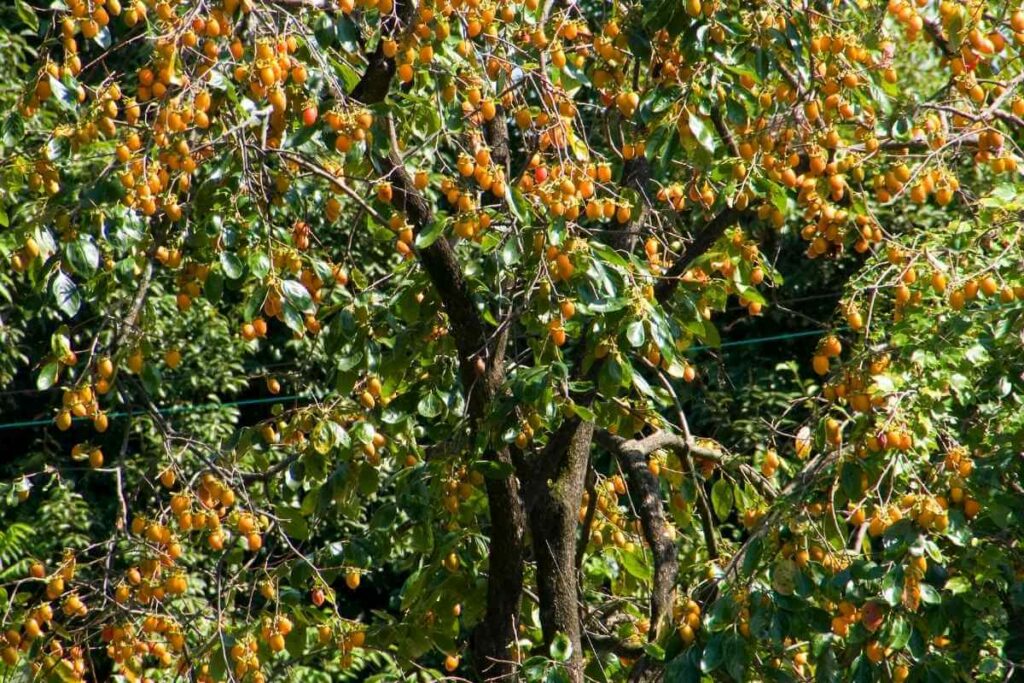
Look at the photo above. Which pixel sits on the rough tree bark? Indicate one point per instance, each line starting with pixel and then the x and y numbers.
pixel 482 370
pixel 553 502
pixel 555 488
pixel 645 492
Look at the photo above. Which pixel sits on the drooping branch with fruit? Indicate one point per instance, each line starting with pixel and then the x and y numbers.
pixel 374 331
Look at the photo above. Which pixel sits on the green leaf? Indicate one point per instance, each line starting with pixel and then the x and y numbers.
pixel 735 654
pixel 850 480
pixel 575 73
pixel 48 375
pixel 583 412
pixel 369 480
pixel 883 383
pixel 324 436
pixel 722 498
pixel 427 237
pixel 493 469
pixel 293 318
pixel 348 35
pixel 60 342
pixel 124 270
pixel 27 15
pixel 685 668
pixel 610 378
pixel 714 654
pixel 346 363
pixel 958 585
pixel 929 595
pixel 976 354
pixel 898 633
pixel 510 253
pixel 218 660
pixel 259 264
pixel 13 129
pixel 359 279
pixel 753 556
pixel 232 265
pixel 740 499
pixel 784 576
pixel 635 334
pixel 151 377
pixel 561 648
pixel 294 524
pixel 901 128
pixel 892 586
pixel 431 405
pixel 83 256
pixel 655 652
pixel 102 38
pixel 295 293
pixel 295 641
pixel 702 132
pixel 213 288
pixel 65 292
pixel 636 567
pixel 710 335
pixel 64 96
pixel 363 432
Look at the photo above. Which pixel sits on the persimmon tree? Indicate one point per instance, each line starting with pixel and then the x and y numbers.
pixel 473 245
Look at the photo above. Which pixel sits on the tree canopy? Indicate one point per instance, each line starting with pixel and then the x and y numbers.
pixel 391 340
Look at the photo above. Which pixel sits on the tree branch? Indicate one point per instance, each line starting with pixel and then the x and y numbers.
pixel 373 87
pixel 496 134
pixel 702 241
pixel 498 630
pixel 723 131
pixel 934 31
pixel 795 491
pixel 636 175
pixel 553 498
pixel 656 441
pixel 588 517
pixel 707 524
pixel 645 491
pixel 685 448
pixel 554 488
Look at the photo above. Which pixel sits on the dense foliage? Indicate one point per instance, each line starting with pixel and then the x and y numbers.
pixel 411 339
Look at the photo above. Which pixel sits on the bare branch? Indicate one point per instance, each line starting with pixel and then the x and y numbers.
pixel 686 449
pixel 934 31
pixel 794 491
pixel 702 241
pixel 588 517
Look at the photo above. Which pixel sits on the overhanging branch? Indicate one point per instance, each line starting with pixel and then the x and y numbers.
pixel 702 241
pixel 498 629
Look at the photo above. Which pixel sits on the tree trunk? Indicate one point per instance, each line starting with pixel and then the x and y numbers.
pixel 554 498
pixel 555 489
pixel 645 492
pixel 491 642
pixel 482 370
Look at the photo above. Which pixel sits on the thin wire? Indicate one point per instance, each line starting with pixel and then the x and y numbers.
pixel 188 409
pixel 761 340
pixel 169 410
pixel 794 300
pixel 259 370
